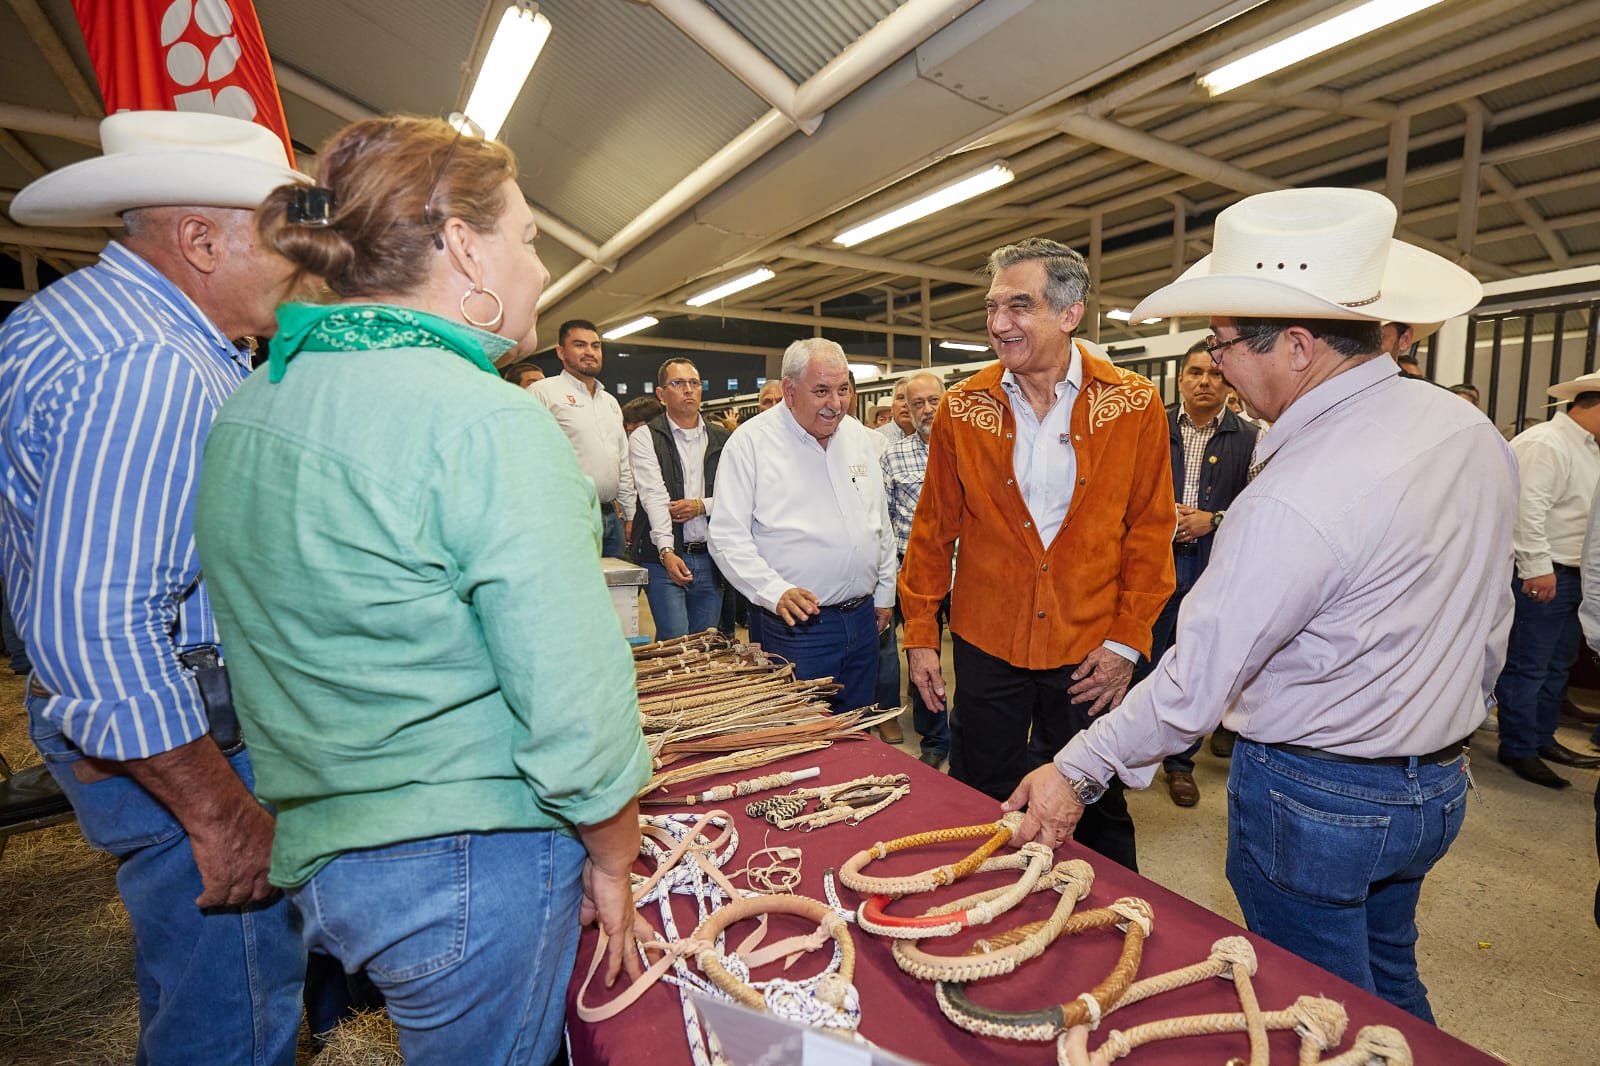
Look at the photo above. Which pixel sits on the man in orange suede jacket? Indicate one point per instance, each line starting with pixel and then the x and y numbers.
pixel 1053 467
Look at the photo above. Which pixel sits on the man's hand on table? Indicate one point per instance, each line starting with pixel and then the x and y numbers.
pixel 1053 807
pixel 1102 680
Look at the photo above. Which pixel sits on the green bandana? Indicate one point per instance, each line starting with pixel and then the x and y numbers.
pixel 375 327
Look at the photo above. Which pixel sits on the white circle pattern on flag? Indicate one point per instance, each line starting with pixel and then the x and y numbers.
pixel 187 63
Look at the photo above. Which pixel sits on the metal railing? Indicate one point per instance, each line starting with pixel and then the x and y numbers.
pixel 1514 353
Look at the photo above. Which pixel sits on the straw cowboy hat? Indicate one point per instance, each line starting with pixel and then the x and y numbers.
pixel 1568 391
pixel 156 159
pixel 1315 253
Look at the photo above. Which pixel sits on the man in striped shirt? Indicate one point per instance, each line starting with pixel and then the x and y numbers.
pixel 109 381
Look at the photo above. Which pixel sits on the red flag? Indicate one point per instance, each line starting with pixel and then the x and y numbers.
pixel 183 55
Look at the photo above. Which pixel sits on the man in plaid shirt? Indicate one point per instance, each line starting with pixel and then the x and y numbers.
pixel 904 464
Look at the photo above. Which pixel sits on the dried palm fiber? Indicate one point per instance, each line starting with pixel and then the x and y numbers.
pixel 367 1039
pixel 684 693
pixel 740 733
pixel 734 762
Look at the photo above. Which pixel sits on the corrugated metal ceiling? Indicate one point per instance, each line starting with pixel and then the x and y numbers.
pixel 799 36
pixel 616 115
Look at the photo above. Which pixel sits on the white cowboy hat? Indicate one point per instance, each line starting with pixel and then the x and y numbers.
pixel 1571 390
pixel 156 159
pixel 1315 253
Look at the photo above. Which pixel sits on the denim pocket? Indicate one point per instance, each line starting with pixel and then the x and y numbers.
pixel 399 911
pixel 1324 855
pixel 1454 813
pixel 115 815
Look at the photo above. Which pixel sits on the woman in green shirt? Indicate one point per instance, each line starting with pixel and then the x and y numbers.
pixel 450 736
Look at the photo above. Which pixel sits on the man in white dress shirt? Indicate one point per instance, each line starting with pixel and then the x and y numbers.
pixel 1375 547
pixel 899 426
pixel 592 420
pixel 801 525
pixel 1559 462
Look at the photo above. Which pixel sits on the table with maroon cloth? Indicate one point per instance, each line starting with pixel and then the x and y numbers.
pixel 899 1012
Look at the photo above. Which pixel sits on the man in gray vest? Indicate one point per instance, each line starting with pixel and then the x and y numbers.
pixel 674 458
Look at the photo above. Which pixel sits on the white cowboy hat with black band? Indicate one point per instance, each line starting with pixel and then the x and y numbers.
pixel 1315 253
pixel 1568 391
pixel 160 159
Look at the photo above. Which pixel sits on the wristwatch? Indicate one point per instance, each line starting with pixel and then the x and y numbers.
pixel 1087 791
pixel 1216 518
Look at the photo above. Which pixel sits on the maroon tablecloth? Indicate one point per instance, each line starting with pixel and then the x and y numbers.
pixel 899 1012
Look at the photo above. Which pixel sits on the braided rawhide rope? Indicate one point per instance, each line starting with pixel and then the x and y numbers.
pixel 978 909
pixel 998 833
pixel 1375 1045
pixel 1320 1023
pixel 998 955
pixel 1133 916
pixel 834 993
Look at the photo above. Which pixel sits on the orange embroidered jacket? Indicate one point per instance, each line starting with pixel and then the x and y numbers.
pixel 1107 573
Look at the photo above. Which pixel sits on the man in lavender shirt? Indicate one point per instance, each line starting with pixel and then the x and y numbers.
pixel 1375 541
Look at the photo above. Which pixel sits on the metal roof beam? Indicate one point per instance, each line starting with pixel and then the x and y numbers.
pixel 738 56
pixel 755 314
pixel 50 45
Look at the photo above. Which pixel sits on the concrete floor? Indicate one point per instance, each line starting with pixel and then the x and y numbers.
pixel 1509 949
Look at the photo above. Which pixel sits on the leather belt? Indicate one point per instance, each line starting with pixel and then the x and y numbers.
pixel 1186 548
pixel 1447 754
pixel 36 689
pixel 694 547
pixel 847 605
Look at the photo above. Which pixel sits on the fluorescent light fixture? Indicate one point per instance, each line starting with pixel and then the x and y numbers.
pixel 1119 315
pixel 1330 33
pixel 941 198
pixel 728 288
pixel 516 45
pixel 618 332
pixel 963 346
pixel 865 371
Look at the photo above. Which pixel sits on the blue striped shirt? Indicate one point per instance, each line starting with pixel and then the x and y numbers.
pixel 109 381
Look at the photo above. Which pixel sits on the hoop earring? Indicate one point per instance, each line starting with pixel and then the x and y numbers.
pixel 499 309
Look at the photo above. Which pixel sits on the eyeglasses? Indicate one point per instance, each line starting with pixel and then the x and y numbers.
pixel 1214 347
pixel 463 125
pixel 683 383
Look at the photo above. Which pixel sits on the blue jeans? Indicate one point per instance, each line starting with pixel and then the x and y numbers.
pixel 886 686
pixel 1544 643
pixel 471 939
pixel 221 985
pixel 1327 859
pixel 680 610
pixel 842 645
pixel 932 726
pixel 612 543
